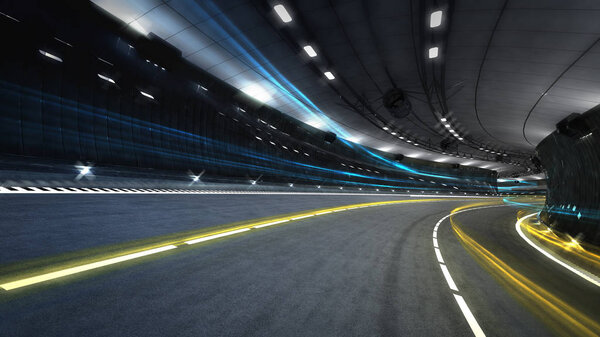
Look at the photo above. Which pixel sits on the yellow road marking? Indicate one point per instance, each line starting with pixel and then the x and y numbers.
pixel 61 271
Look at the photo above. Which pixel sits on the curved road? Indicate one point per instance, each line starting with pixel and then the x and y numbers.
pixel 361 272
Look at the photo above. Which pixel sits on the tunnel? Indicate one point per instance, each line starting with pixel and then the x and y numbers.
pixel 300 168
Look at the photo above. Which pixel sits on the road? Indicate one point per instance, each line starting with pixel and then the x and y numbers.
pixel 361 272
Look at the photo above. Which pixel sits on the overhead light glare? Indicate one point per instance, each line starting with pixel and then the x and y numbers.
pixel 283 13
pixel 47 54
pixel 435 20
pixel 310 51
pixel 443 119
pixel 257 92
pixel 329 75
pixel 136 25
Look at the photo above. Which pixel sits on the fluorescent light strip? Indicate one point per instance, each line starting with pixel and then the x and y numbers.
pixel 108 79
pixel 216 236
pixel 47 54
pixel 329 75
pixel 105 61
pixel 310 51
pixel 9 17
pixel 82 268
pixel 435 20
pixel 433 52
pixel 283 13
pixel 146 94
pixel 63 42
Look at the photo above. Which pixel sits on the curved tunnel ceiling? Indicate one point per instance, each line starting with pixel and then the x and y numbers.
pixel 518 59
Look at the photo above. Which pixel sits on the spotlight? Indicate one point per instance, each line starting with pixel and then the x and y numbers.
pixel 84 171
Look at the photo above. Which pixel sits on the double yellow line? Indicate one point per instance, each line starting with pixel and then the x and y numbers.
pixel 79 265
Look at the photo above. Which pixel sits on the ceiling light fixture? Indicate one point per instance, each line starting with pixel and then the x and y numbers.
pixel 283 13
pixel 47 54
pixel 108 79
pixel 435 20
pixel 433 52
pixel 146 94
pixel 310 51
pixel 329 75
pixel 443 119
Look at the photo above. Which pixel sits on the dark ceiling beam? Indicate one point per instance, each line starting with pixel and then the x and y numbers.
pixel 377 42
pixel 487 48
pixel 552 85
pixel 354 51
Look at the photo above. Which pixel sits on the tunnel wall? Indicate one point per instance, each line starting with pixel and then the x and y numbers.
pixel 571 159
pixel 64 111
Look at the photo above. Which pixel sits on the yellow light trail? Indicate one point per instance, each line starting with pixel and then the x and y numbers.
pixel 79 265
pixel 568 244
pixel 548 307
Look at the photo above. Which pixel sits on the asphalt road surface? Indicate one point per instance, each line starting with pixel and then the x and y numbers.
pixel 362 272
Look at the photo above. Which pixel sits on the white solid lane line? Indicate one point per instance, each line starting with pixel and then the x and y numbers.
pixel 210 237
pixel 469 316
pixel 439 255
pixel 303 217
pixel 464 308
pixel 577 271
pixel 448 277
pixel 271 223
